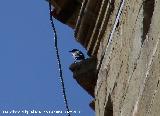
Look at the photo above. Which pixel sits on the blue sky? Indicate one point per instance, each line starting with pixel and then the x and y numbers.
pixel 28 67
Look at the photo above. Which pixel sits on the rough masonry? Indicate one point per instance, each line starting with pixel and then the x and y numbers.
pixel 127 67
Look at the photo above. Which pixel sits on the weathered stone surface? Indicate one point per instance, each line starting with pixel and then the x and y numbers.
pixel 132 64
pixel 128 65
pixel 85 74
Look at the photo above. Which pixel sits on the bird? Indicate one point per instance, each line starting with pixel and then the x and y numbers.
pixel 77 55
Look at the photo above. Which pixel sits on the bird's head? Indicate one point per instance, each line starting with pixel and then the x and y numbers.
pixel 73 50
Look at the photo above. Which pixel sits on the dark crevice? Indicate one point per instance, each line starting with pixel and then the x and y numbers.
pixel 95 12
pixel 99 24
pixel 109 107
pixel 105 25
pixel 148 8
pixel 158 83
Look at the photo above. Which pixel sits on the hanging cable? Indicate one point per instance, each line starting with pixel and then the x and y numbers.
pixel 59 61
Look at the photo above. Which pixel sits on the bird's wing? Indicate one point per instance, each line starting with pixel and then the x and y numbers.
pixel 79 53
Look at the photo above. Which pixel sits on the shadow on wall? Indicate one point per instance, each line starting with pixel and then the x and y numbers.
pixel 148 9
pixel 109 107
pixel 85 73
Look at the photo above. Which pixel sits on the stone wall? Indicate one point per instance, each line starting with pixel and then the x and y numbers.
pixel 129 74
pixel 128 63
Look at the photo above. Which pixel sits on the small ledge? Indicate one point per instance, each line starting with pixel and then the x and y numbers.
pixel 66 11
pixel 92 104
pixel 85 73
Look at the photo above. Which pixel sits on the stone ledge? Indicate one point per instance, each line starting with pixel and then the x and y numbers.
pixel 66 11
pixel 85 74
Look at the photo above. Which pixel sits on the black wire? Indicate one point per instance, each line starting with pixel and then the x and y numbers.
pixel 59 61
